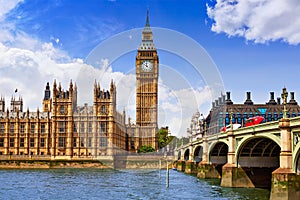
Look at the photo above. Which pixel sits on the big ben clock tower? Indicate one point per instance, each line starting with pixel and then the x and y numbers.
pixel 147 88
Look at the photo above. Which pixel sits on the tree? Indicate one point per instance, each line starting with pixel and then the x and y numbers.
pixel 146 149
pixel 163 138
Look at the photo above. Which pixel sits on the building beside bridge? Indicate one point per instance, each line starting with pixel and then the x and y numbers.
pixel 272 110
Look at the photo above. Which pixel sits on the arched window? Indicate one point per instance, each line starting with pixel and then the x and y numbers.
pixel 62 109
pixel 233 118
pixel 220 120
pixel 251 114
pixel 103 109
pixel 245 117
pixel 269 117
pixel 275 116
pixel 239 118
pixel 227 120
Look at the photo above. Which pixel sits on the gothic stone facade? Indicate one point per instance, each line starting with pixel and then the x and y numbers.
pixel 63 128
pixel 219 115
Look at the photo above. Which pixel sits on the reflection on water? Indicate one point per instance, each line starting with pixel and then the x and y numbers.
pixel 112 184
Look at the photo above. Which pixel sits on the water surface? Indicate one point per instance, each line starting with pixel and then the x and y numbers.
pixel 114 184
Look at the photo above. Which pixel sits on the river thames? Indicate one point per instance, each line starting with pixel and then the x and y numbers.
pixel 114 184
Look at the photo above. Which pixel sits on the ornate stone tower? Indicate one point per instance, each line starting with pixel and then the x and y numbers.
pixel 47 101
pixel 16 104
pixel 105 111
pixel 147 69
pixel 62 120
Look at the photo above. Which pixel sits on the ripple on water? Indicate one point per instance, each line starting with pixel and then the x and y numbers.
pixel 113 184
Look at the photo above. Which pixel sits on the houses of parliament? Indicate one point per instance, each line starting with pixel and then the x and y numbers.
pixel 62 128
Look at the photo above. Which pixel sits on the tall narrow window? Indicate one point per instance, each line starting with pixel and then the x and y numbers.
pixel 61 142
pixel 12 128
pixel 102 127
pixel 90 142
pixel 1 142
pixel 103 109
pixel 21 142
pixel 32 127
pixel 61 127
pixel 62 110
pixel 75 128
pixel 74 142
pixel 22 128
pixel 90 127
pixel 2 128
pixel 11 142
pixel 42 142
pixel 82 142
pixel 31 142
pixel 43 128
pixel 102 142
pixel 82 128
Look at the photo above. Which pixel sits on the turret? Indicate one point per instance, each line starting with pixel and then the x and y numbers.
pixel 16 105
pixel 47 101
pixel 2 104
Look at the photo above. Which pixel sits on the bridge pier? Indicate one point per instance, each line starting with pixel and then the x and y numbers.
pixel 206 170
pixel 285 183
pixel 181 165
pixel 233 176
pixel 190 167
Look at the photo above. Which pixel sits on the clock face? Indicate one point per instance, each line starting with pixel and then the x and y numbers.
pixel 147 66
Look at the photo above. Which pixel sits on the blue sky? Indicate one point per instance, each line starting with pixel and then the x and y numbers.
pixel 254 48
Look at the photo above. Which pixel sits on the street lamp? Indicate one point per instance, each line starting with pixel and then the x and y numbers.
pixel 284 96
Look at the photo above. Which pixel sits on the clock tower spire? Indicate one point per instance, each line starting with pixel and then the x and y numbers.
pixel 147 68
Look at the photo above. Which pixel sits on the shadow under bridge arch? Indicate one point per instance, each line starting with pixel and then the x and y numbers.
pixel 218 156
pixel 186 154
pixel 198 154
pixel 259 157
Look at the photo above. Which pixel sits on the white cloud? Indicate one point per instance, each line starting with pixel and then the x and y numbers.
pixel 257 20
pixel 29 70
pixel 26 63
pixel 6 6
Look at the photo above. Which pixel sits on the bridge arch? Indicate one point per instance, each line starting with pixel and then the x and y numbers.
pixel 258 156
pixel 247 138
pixel 186 154
pixel 218 153
pixel 296 159
pixel 198 152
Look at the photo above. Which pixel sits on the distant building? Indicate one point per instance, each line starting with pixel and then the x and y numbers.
pixel 64 129
pixel 219 115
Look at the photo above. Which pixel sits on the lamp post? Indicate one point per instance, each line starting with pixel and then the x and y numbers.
pixel 202 124
pixel 284 96
pixel 231 115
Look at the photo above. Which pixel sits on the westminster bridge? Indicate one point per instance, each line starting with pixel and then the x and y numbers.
pixel 265 155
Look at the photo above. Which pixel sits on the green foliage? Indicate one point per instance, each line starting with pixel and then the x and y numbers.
pixel 146 149
pixel 163 138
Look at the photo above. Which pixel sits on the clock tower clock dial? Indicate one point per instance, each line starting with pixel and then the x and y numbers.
pixel 147 65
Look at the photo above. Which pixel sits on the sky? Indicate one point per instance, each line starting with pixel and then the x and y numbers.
pixel 205 47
